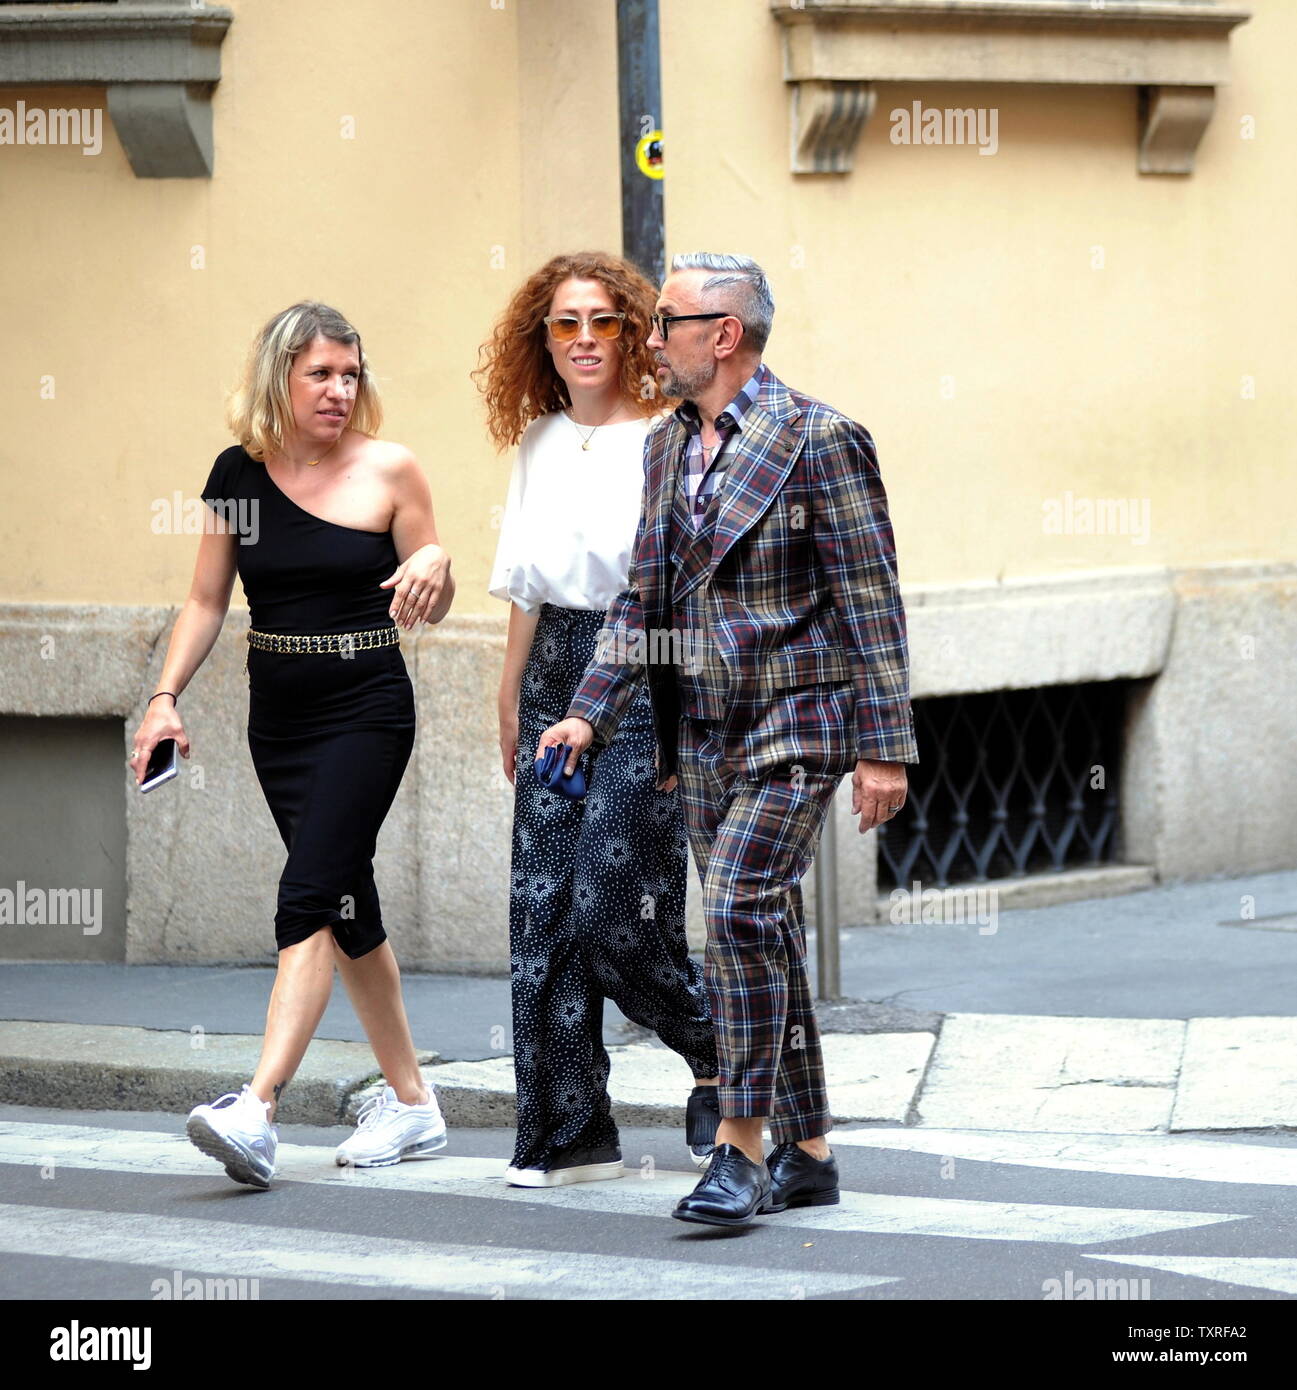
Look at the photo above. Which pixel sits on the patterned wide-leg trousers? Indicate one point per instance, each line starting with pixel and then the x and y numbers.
pixel 596 909
pixel 753 838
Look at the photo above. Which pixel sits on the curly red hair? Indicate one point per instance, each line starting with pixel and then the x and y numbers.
pixel 516 374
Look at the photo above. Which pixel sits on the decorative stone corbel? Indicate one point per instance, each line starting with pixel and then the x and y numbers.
pixel 1171 123
pixel 1174 52
pixel 827 120
pixel 165 128
pixel 158 59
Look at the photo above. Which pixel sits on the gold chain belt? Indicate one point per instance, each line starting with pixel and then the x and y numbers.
pixel 323 641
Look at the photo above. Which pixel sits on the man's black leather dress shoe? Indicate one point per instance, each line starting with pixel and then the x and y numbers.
pixel 798 1180
pixel 730 1193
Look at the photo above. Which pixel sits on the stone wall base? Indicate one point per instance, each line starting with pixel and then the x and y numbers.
pixel 1209 785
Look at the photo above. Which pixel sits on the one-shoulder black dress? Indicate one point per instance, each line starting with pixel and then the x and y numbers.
pixel 330 733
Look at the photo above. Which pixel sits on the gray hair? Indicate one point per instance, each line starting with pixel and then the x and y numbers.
pixel 751 302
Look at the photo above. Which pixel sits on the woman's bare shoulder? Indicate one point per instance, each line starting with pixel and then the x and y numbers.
pixel 384 456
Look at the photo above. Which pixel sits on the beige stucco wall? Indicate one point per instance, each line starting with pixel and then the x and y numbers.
pixel 929 262
pixel 485 140
pixel 466 169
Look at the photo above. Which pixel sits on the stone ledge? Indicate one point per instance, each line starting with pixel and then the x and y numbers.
pixel 1030 632
pixel 158 59
pixel 1182 625
pixel 85 660
pixel 1034 890
pixel 1173 52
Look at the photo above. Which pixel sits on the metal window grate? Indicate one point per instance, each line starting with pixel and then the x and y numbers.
pixel 1004 786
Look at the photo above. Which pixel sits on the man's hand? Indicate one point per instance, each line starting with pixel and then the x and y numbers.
pixel 578 733
pixel 877 792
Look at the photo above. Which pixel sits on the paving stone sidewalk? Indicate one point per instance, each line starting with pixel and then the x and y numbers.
pixel 974 1071
pixel 1163 1011
pixel 980 1072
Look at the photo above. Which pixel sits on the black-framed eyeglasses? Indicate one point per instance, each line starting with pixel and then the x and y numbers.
pixel 660 321
pixel 566 327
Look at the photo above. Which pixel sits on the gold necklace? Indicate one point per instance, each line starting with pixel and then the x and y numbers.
pixel 310 463
pixel 586 438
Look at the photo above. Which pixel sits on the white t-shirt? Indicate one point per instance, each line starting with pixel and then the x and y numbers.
pixel 570 519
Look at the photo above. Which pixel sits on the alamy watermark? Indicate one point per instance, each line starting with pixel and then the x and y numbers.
pixel 655 646
pixel 21 906
pixel 179 515
pixel 194 1286
pixel 946 907
pixel 73 1342
pixel 58 125
pixel 1070 515
pixel 1069 1287
pixel 947 125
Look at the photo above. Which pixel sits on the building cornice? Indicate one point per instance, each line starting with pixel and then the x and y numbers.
pixel 158 59
pixel 1174 52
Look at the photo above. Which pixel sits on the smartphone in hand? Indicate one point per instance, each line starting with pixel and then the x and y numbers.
pixel 162 765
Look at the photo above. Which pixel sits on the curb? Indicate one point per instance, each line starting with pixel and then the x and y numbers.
pixel 73 1066
pixel 977 1072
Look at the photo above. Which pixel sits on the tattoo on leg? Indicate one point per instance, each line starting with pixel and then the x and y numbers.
pixel 279 1090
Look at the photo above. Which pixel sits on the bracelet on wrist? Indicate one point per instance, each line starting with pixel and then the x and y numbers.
pixel 172 693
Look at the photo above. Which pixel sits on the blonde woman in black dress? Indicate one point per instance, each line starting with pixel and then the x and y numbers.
pixel 345 551
pixel 597 896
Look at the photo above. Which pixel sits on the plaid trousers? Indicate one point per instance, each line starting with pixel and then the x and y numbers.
pixel 752 840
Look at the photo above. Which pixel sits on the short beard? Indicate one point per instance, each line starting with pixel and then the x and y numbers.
pixel 688 386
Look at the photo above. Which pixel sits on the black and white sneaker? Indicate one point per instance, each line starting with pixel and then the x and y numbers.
pixel 702 1119
pixel 570 1165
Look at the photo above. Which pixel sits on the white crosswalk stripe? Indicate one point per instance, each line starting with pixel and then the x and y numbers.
pixel 244 1251
pixel 652 1195
pixel 1135 1155
pixel 1277 1274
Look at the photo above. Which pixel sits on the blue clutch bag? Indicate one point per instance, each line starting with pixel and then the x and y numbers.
pixel 549 772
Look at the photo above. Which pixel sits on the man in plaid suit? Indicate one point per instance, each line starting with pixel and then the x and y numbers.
pixel 763 607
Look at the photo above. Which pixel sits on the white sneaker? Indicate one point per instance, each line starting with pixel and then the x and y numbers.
pixel 234 1131
pixel 389 1130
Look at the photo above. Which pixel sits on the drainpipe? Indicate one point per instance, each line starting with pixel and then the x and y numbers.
pixel 639 100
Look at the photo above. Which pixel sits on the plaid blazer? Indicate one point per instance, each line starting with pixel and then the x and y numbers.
pixel 801 591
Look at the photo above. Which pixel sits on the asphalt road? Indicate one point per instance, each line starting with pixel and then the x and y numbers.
pixel 104 1205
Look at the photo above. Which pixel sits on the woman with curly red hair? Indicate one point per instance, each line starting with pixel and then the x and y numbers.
pixel 597 890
